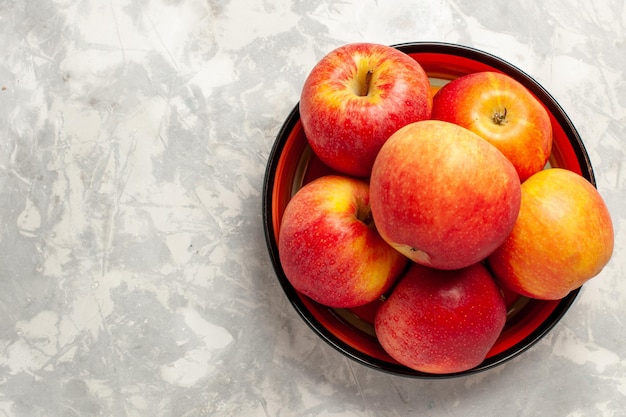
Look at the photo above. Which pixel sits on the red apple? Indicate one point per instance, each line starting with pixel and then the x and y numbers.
pixel 502 111
pixel 562 238
pixel 443 196
pixel 329 248
pixel 440 321
pixel 355 98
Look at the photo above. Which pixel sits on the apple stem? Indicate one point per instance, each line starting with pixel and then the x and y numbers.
pixel 499 118
pixel 365 87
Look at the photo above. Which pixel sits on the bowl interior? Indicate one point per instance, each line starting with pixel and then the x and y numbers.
pixel 292 164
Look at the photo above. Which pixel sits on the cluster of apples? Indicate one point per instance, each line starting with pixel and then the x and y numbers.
pixel 440 199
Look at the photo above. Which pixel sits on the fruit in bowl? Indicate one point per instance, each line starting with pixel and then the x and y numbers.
pixel 562 238
pixel 443 196
pixel 329 248
pixel 352 330
pixel 442 321
pixel 355 97
pixel 502 111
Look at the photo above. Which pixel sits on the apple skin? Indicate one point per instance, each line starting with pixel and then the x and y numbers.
pixel 502 111
pixel 562 238
pixel 329 248
pixel 439 321
pixel 443 196
pixel 344 125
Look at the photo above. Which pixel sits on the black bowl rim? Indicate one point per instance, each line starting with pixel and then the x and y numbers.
pixel 294 298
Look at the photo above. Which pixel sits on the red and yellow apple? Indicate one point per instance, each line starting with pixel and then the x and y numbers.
pixel 502 111
pixel 562 238
pixel 355 98
pixel 441 321
pixel 329 248
pixel 443 196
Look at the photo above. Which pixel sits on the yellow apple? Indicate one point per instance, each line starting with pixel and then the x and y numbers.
pixel 562 238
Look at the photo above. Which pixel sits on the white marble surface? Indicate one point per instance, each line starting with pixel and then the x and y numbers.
pixel 134 276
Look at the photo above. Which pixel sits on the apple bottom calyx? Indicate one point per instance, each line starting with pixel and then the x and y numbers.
pixel 499 118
